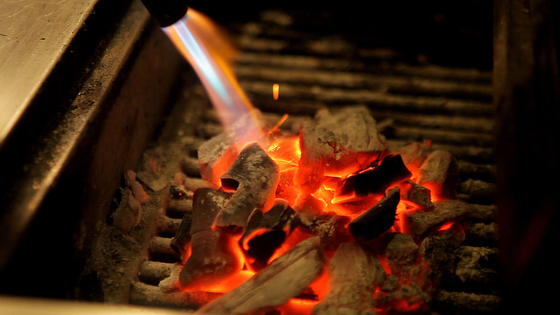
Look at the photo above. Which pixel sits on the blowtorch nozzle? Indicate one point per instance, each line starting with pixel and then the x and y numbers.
pixel 166 12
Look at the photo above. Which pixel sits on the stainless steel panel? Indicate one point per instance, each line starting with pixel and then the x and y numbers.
pixel 33 36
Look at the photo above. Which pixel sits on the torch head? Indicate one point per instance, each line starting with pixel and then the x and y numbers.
pixel 166 12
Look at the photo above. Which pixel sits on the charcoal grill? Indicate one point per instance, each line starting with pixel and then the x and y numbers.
pixel 417 94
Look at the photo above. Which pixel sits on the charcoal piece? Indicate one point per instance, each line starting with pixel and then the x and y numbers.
pixel 178 192
pixel 416 196
pixel 286 277
pixel 330 228
pixel 413 154
pixel 129 212
pixel 440 173
pixel 402 255
pixel 207 203
pixel 373 181
pixel 216 155
pixel 378 219
pixel 336 143
pixel 136 188
pixel 419 224
pixel 213 260
pixel 354 275
pixel 257 175
pixel 266 233
pixel 183 236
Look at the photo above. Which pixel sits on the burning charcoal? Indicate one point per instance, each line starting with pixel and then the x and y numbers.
pixel 336 143
pixel 286 277
pixel 183 236
pixel 216 155
pixel 129 212
pixel 330 228
pixel 213 257
pixel 354 275
pixel 265 233
pixel 416 196
pixel 207 203
pixel 378 219
pixel 256 177
pixel 413 154
pixel 373 181
pixel 440 173
pixel 419 224
pixel 212 261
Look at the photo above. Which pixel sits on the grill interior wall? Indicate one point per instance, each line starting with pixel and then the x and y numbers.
pixel 416 99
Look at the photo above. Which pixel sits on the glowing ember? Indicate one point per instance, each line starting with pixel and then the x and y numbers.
pixel 275 90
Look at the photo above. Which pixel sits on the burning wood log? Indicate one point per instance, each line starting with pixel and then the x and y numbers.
pixel 265 233
pixel 285 278
pixel 216 155
pixel 355 273
pixel 213 257
pixel 336 143
pixel 373 181
pixel 378 219
pixel 254 177
pixel 440 173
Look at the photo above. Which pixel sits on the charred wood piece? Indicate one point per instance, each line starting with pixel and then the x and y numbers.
pixel 286 277
pixel 354 275
pixel 420 224
pixel 345 140
pixel 207 203
pixel 213 260
pixel 266 233
pixel 183 236
pixel 374 181
pixel 136 188
pixel 257 176
pixel 416 196
pixel 214 257
pixel 377 219
pixel 216 155
pixel 402 255
pixel 440 173
pixel 128 213
pixel 413 154
pixel 330 228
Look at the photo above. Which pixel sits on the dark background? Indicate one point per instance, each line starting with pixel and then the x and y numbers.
pixel 449 33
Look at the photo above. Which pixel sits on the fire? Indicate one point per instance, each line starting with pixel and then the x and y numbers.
pixel 204 45
pixel 311 186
